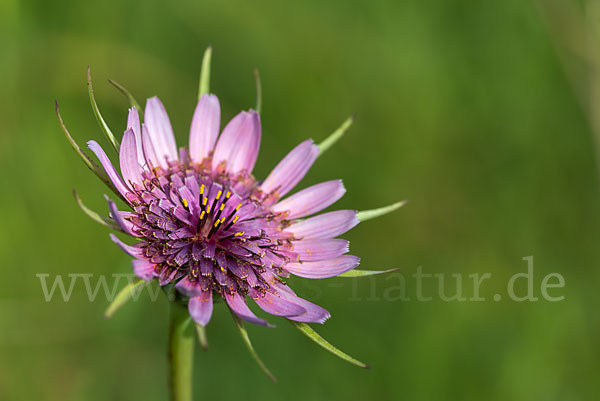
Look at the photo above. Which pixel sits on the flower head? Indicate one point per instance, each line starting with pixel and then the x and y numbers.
pixel 205 223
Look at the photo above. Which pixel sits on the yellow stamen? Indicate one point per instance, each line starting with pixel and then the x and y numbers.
pixel 238 234
pixel 228 194
pixel 185 202
pixel 236 218
pixel 202 215
pixel 208 209
pixel 219 194
pixel 222 207
pixel 204 200
pixel 238 206
pixel 201 189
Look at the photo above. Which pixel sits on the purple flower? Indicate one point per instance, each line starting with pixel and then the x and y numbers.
pixel 206 224
pixel 207 228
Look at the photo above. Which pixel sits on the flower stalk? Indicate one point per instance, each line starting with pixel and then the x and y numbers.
pixel 181 353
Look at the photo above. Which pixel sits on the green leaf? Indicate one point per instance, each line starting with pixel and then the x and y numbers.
pixel 132 101
pixel 364 273
pixel 205 73
pixel 365 215
pixel 313 335
pixel 202 339
pixel 86 159
pixel 105 221
pixel 258 91
pixel 107 132
pixel 335 136
pixel 132 289
pixel 240 325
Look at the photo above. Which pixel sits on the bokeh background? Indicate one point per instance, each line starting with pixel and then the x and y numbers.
pixel 462 107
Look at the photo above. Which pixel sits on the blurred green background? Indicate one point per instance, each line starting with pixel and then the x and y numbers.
pixel 462 108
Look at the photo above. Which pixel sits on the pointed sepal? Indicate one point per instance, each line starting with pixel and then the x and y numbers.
pixel 258 91
pixel 105 221
pixel 365 215
pixel 240 325
pixel 132 101
pixel 314 336
pixel 202 338
pixel 204 86
pixel 84 157
pixel 131 290
pixel 364 273
pixel 335 136
pixel 107 132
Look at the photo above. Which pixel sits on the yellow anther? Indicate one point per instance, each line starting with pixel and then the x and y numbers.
pixel 217 222
pixel 219 194
pixel 236 218
pixel 238 206
pixel 202 215
pixel 204 200
pixel 222 207
pixel 223 270
pixel 201 189
pixel 208 209
pixel 238 234
pixel 185 202
pixel 228 194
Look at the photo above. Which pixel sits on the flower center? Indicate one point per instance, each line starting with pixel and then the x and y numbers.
pixel 212 229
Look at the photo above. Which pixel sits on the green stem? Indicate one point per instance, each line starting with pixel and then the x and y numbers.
pixel 181 353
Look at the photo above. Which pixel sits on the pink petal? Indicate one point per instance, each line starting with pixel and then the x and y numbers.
pixel 117 216
pixel 114 177
pixel 239 143
pixel 201 307
pixel 143 269
pixel 314 313
pixel 324 268
pixel 128 157
pixel 326 225
pixel 205 127
pixel 311 200
pixel 291 169
pixel 150 155
pixel 128 249
pixel 133 123
pixel 275 305
pixel 159 127
pixel 311 250
pixel 238 305
pixel 189 288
